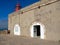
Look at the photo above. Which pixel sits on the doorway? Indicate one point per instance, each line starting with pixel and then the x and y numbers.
pixel 36 30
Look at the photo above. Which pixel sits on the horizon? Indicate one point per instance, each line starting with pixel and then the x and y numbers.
pixel 8 7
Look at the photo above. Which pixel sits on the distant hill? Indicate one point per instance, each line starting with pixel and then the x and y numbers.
pixel 3 24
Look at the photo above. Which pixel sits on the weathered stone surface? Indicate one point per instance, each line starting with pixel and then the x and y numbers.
pixel 48 15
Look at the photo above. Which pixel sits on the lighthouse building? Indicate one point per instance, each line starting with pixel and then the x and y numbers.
pixel 39 20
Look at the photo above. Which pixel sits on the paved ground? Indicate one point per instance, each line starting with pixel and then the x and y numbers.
pixel 16 40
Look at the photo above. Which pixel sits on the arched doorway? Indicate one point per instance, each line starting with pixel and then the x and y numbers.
pixel 37 30
pixel 16 29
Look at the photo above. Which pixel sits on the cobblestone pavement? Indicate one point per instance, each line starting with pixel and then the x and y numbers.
pixel 17 40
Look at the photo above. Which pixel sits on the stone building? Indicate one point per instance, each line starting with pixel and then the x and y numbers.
pixel 39 20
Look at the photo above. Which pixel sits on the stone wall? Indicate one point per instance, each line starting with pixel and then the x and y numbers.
pixel 48 15
pixel 3 32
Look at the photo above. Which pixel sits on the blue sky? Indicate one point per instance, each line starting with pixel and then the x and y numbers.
pixel 8 6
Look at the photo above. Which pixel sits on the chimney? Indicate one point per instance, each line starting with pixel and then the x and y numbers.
pixel 17 7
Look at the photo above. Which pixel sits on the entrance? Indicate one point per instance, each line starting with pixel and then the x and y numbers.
pixel 36 30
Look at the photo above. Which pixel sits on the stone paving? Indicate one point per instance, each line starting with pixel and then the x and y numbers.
pixel 17 40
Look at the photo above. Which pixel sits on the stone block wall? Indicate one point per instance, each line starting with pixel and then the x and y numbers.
pixel 48 15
